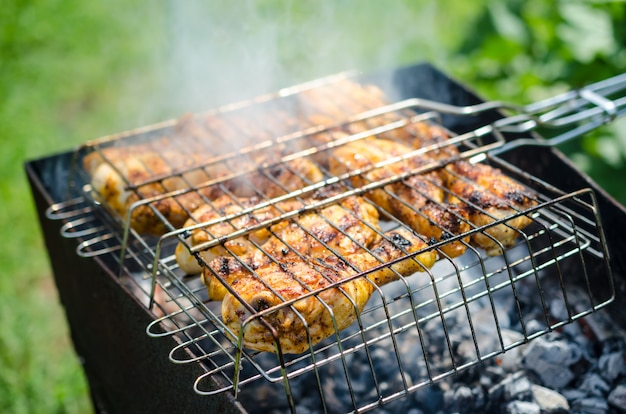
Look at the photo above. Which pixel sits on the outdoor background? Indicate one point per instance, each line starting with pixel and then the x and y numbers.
pixel 74 70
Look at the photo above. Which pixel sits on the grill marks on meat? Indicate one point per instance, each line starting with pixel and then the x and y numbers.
pixel 126 167
pixel 341 229
pixel 311 319
pixel 418 200
pixel 315 259
pixel 226 206
pixel 179 194
pixel 485 192
pixel 490 196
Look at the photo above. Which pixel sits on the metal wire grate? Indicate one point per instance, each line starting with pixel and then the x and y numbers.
pixel 188 163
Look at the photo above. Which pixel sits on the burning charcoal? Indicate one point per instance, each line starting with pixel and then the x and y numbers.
pixel 514 386
pixel 614 344
pixel 574 333
pixel 549 360
pixel 522 407
pixel 492 375
pixel 573 394
pixel 594 385
pixel 520 389
pixel 552 375
pixel 611 365
pixel 601 325
pixel 465 349
pixel 510 360
pixel 463 399
pixel 617 397
pixel 429 399
pixel 558 309
pixel 550 401
pixel 534 325
pixel 557 351
pixel 593 405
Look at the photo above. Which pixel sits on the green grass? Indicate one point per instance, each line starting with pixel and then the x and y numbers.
pixel 75 70
pixel 69 71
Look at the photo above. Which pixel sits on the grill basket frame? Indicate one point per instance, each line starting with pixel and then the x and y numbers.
pixel 413 78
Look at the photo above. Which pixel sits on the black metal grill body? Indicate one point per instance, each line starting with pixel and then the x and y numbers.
pixel 130 372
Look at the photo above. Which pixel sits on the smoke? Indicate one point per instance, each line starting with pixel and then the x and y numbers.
pixel 220 52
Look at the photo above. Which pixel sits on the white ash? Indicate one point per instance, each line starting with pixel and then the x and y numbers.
pixel 611 365
pixel 572 370
pixel 594 385
pixel 522 407
pixel 550 360
pixel 550 401
pixel 591 405
pixel 617 397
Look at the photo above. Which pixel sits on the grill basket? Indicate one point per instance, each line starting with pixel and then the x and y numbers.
pixel 560 260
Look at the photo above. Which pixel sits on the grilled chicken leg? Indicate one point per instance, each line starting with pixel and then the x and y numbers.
pixel 491 196
pixel 179 194
pixel 218 209
pixel 344 228
pixel 333 307
pixel 418 200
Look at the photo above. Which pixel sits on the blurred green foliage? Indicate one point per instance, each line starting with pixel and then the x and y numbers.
pixel 74 70
pixel 529 50
pixel 63 67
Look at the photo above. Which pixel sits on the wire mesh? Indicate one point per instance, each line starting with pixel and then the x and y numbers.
pixel 146 188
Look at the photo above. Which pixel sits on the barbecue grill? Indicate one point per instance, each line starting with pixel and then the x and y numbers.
pixel 150 338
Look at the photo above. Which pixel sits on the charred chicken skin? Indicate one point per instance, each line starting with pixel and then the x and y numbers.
pixel 310 319
pixel 491 196
pixel 125 167
pixel 417 200
pixel 486 192
pixel 344 228
pixel 221 207
pixel 179 194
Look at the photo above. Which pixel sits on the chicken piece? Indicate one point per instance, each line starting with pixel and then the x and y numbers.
pixel 178 194
pixel 334 305
pixel 228 205
pixel 487 193
pixel 338 101
pixel 491 196
pixel 438 221
pixel 360 98
pixel 236 136
pixel 343 228
pixel 278 179
pixel 434 137
pixel 124 167
pixel 417 200
pixel 221 207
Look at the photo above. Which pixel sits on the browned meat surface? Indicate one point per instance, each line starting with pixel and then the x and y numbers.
pixel 215 212
pixel 128 166
pixel 491 195
pixel 344 228
pixel 312 318
pixel 159 179
pixel 485 192
pixel 417 200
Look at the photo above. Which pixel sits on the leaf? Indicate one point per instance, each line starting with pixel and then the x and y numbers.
pixel 508 24
pixel 586 31
pixel 609 149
